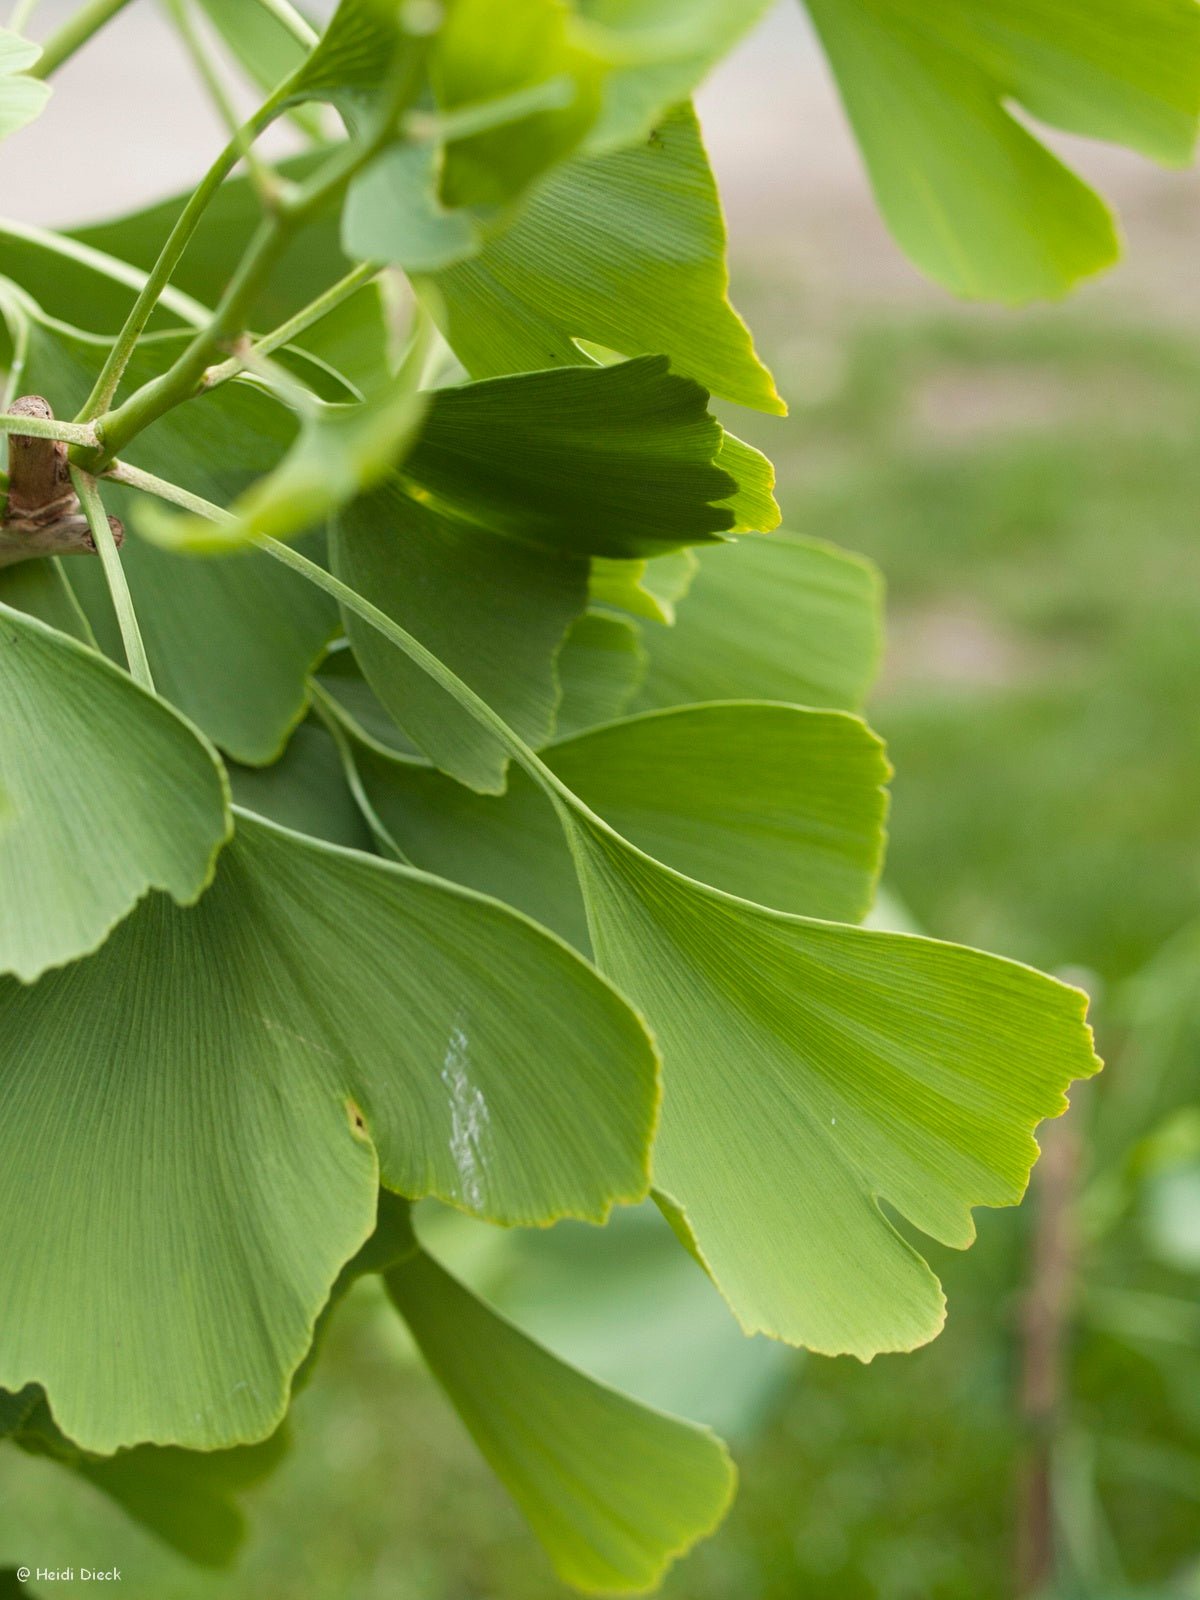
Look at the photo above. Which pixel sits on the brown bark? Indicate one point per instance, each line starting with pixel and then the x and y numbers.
pixel 42 515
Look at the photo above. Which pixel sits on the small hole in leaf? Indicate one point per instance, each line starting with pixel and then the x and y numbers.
pixel 358 1123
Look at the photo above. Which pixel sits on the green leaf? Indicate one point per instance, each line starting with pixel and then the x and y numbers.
pixel 305 790
pixel 668 48
pixel 814 1072
pixel 365 48
pixel 230 643
pixel 40 589
pixel 493 610
pixel 614 1490
pixel 614 461
pixel 490 50
pixel 626 250
pixel 186 1497
pixel 105 793
pixel 343 450
pixel 782 618
pixel 976 200
pixel 645 588
pixel 493 1068
pixel 600 666
pixel 514 93
pixel 22 99
pixel 772 802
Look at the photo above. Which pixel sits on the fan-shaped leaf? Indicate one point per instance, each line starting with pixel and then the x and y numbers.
pixel 782 618
pixel 813 1071
pixel 773 802
pixel 626 250
pixel 195 1163
pixel 105 793
pixel 617 461
pixel 614 1490
pixel 968 191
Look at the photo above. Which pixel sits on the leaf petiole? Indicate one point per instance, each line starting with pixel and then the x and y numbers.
pixel 49 428
pixel 151 292
pixel 308 316
pixel 114 574
pixel 74 34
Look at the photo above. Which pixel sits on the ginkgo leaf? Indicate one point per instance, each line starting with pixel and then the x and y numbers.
pixel 773 802
pixel 305 790
pixel 973 196
pixel 626 250
pixel 814 1072
pixel 343 450
pixel 613 461
pixel 40 589
pixel 600 666
pixel 782 618
pixel 197 1162
pixel 230 643
pixel 187 1497
pixel 614 1490
pixel 493 610
pixel 503 113
pixel 649 589
pixel 668 48
pixel 105 794
pixel 22 98
pixel 367 49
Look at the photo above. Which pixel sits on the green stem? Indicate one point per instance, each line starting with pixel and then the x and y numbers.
pixel 114 574
pixel 184 378
pixel 287 331
pixel 49 428
pixel 140 313
pixel 291 20
pixel 74 34
pixel 183 16
pixel 22 12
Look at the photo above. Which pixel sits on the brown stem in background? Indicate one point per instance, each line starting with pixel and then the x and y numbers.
pixel 1044 1323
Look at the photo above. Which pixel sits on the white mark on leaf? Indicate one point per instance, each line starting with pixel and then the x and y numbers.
pixel 468 1117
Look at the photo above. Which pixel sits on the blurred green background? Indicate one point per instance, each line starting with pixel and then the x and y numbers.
pixel 1028 484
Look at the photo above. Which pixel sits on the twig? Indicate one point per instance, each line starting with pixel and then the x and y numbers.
pixel 1044 1324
